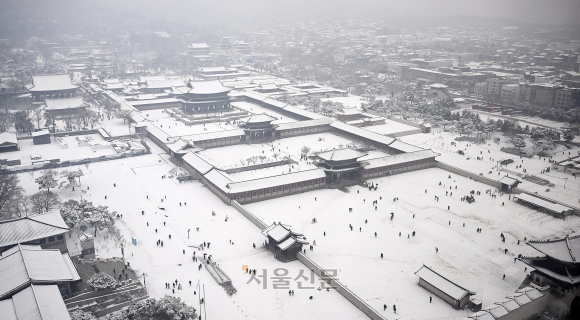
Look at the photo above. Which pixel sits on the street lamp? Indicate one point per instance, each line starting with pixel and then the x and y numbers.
pixel 565 179
pixel 188 233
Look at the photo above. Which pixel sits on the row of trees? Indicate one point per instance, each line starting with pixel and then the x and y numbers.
pixel 166 308
pixel 25 121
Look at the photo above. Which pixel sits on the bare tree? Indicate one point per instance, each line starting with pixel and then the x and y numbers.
pixel 37 117
pixel 6 120
pixel 44 201
pixel 10 191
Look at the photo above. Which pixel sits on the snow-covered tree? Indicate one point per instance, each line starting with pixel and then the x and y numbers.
pixel 305 150
pixel 81 315
pixel 543 144
pixel 84 215
pixel 518 141
pixel 44 201
pixel 10 191
pixel 47 180
pixel 102 281
pixel 70 181
pixel 166 308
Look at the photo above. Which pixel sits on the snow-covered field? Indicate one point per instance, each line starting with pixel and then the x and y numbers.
pixel 473 260
pixel 140 177
pixel 257 109
pixel 229 157
pixel 490 154
pixel 54 150
pixel 389 127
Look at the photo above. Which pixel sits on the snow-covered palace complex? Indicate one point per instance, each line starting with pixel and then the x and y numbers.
pixel 332 168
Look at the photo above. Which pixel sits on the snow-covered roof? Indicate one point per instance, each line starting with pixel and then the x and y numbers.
pixel 303 112
pixel 340 154
pixel 520 298
pixel 262 117
pixel 218 178
pixel 508 304
pixel 275 103
pixel 566 249
pixel 207 87
pixel 199 46
pixel 197 162
pixel 165 83
pixel 441 283
pixel 277 232
pixel 404 147
pixel 39 302
pixel 215 135
pixel 8 137
pixel 304 124
pixel 31 228
pixel 40 133
pixel 275 181
pixel 363 133
pixel 481 315
pixel 400 158
pixel 349 111
pixel 66 103
pixel 26 264
pixel 558 208
pixel 153 101
pixel 532 293
pixel 254 95
pixel 51 82
pixel 497 311
pixel 287 243
pixel 7 310
pixel 508 180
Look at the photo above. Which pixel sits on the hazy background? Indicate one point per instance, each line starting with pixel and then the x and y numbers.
pixel 411 11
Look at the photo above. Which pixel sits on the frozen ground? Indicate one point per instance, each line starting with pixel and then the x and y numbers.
pixel 473 260
pixel 389 127
pixel 175 128
pixel 54 151
pixel 229 157
pixel 140 177
pixel 257 109
pixel 490 154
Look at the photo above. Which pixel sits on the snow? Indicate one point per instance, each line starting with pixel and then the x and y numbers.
pixel 54 150
pixel 139 177
pixel 475 261
pixel 257 109
pixel 350 101
pixel 390 127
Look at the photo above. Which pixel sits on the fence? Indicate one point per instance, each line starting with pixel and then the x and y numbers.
pixel 340 288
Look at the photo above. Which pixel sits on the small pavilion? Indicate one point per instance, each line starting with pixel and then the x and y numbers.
pixel 259 127
pixel 283 242
pixel 341 163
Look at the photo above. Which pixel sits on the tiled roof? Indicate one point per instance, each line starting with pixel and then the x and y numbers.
pixel 441 283
pixel 340 154
pixel 25 264
pixel 566 249
pixel 51 82
pixel 31 228
pixel 40 302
